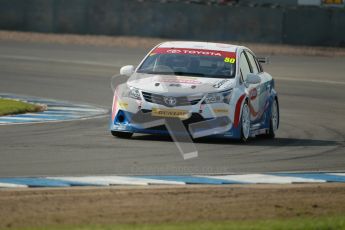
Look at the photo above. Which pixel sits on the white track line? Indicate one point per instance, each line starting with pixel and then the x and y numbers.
pixel 266 179
pixel 55 120
pixel 337 174
pixel 115 180
pixel 7 185
pixel 60 111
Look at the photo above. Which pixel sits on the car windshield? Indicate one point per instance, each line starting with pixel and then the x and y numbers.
pixel 188 62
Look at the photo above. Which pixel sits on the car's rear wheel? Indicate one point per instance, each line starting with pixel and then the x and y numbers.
pixel 122 134
pixel 274 120
pixel 245 122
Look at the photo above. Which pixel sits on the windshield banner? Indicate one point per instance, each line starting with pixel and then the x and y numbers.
pixel 197 52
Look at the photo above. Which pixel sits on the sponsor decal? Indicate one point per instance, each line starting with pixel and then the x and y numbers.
pixel 221 110
pixel 177 80
pixel 253 94
pixel 120 127
pixel 252 111
pixel 123 105
pixel 260 131
pixel 259 113
pixel 199 52
pixel 169 113
pixel 220 83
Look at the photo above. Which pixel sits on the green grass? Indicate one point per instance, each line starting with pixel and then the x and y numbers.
pixel 330 223
pixel 10 107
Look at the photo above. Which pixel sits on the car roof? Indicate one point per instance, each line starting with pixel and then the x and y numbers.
pixel 200 45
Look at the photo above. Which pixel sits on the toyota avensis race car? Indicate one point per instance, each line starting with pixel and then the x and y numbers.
pixel 212 89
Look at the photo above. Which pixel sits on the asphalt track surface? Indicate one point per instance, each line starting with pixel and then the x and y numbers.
pixel 311 136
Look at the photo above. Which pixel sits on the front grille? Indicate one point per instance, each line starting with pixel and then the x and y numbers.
pixel 180 101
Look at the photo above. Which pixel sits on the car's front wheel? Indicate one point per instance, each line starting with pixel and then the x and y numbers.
pixel 245 122
pixel 122 134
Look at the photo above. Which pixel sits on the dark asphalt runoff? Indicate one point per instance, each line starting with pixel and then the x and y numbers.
pixel 311 136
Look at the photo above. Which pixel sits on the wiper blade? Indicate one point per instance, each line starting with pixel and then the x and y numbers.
pixel 189 74
pixel 156 72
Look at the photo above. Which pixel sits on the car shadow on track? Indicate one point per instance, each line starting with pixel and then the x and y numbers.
pixel 257 141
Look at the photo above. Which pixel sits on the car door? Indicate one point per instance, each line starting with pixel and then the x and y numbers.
pixel 253 89
pixel 259 98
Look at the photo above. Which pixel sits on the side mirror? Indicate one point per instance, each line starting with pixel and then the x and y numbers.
pixel 127 70
pixel 253 79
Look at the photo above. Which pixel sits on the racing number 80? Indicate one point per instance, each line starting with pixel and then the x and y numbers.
pixel 230 60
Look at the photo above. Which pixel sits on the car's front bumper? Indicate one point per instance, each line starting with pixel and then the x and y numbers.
pixel 196 125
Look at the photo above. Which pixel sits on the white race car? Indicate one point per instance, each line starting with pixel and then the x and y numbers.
pixel 211 89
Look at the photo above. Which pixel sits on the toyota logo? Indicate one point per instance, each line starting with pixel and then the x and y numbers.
pixel 170 101
pixel 174 51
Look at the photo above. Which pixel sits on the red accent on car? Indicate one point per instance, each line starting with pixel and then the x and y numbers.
pixel 114 110
pixel 238 110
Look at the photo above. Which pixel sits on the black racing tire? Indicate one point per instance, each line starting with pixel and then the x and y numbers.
pixel 274 121
pixel 125 135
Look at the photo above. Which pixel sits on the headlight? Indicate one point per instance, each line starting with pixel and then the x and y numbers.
pixel 134 93
pixel 222 97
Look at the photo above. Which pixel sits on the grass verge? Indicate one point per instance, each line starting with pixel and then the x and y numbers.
pixel 324 223
pixel 10 107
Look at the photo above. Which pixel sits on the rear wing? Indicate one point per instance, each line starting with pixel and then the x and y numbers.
pixel 264 60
